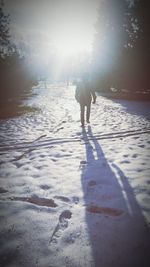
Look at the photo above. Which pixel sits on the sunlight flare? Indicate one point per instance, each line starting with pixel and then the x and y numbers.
pixel 72 42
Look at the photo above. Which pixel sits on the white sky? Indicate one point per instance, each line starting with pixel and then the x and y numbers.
pixel 68 26
pixel 35 21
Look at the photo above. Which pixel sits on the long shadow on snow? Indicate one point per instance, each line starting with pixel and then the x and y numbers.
pixel 117 231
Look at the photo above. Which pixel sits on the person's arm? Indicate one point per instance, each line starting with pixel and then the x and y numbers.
pixel 77 94
pixel 94 97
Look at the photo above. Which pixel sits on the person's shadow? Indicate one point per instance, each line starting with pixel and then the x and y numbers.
pixel 117 231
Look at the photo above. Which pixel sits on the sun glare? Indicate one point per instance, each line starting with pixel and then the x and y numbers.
pixel 72 43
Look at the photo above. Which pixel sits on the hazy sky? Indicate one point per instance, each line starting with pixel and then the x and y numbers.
pixel 51 21
pixel 62 27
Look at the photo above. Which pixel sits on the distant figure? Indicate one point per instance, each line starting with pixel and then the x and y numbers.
pixel 84 95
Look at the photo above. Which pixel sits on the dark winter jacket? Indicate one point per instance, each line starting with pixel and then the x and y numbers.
pixel 84 94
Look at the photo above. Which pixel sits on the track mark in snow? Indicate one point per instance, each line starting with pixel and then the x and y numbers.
pixel 105 210
pixel 45 187
pixel 62 198
pixel 125 161
pixel 37 201
pixel 22 155
pixel 57 130
pixel 83 162
pixel 56 141
pixel 59 126
pixel 44 135
pixel 74 199
pixel 2 190
pixel 61 226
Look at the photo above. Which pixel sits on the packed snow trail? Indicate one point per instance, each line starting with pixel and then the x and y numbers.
pixel 71 196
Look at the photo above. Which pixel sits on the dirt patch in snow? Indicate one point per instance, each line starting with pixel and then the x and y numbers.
pixel 105 210
pixel 37 201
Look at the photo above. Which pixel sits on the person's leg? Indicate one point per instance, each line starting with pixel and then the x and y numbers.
pixel 88 112
pixel 82 109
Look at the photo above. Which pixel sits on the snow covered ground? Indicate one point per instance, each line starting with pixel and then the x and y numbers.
pixel 75 197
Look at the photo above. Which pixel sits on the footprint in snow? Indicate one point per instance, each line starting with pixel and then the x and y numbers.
pixel 75 199
pixel 134 156
pixel 61 226
pixel 68 200
pixel 83 162
pixel 92 183
pixel 66 214
pixel 78 133
pixel 62 198
pixel 45 187
pixel 142 146
pixel 2 190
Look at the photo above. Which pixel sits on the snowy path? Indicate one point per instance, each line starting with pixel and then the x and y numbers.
pixel 75 197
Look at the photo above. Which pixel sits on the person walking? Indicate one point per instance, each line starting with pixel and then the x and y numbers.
pixel 84 96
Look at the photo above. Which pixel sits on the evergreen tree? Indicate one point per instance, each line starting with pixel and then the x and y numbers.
pixel 5 43
pixel 121 47
pixel 15 78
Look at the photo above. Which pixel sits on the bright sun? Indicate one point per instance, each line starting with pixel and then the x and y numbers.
pixel 72 43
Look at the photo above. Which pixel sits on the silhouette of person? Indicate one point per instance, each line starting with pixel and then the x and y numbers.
pixel 84 95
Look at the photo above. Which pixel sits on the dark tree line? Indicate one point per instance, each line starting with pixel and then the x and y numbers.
pixel 121 56
pixel 15 79
pixel 121 52
pixel 5 45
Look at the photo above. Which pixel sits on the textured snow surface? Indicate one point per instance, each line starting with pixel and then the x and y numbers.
pixel 71 196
